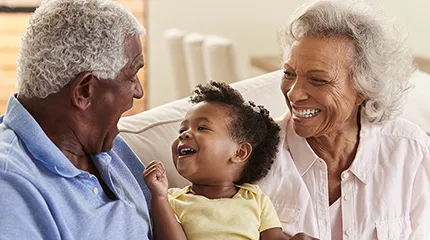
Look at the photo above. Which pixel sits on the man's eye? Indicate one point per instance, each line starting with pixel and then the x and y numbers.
pixel 134 78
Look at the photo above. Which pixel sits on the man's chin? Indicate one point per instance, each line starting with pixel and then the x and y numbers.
pixel 109 141
pixel 107 146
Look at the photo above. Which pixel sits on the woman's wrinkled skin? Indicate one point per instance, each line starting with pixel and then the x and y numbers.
pixel 318 81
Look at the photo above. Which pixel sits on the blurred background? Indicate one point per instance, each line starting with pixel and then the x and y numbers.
pixel 248 27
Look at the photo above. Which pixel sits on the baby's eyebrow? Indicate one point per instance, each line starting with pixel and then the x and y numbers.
pixel 205 119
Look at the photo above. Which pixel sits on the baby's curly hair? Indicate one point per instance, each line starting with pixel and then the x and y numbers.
pixel 250 123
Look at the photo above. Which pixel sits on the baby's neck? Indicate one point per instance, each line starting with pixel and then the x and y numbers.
pixel 214 191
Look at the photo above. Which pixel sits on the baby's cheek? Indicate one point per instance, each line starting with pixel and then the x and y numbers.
pixel 174 150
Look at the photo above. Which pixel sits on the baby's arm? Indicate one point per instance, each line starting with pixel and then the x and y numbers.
pixel 166 226
pixel 272 234
pixel 276 233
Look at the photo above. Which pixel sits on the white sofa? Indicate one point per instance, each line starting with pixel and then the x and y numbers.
pixel 151 133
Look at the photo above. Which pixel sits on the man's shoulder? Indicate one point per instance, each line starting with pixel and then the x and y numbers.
pixel 120 147
pixel 125 154
pixel 13 156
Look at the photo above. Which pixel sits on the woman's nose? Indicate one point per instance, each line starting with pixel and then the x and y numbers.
pixel 297 91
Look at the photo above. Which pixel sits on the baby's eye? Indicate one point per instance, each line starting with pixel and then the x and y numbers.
pixel 201 128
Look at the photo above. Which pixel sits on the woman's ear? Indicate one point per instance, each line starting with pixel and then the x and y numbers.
pixel 243 152
pixel 360 99
pixel 81 90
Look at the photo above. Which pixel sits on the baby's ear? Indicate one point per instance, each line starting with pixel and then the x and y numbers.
pixel 243 152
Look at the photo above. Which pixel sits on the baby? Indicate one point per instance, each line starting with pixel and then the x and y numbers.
pixel 224 145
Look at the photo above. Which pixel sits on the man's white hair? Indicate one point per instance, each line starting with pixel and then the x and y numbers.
pixel 383 63
pixel 67 37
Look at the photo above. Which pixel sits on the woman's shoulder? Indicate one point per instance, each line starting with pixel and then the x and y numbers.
pixel 402 128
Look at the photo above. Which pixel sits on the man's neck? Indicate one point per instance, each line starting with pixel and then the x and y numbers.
pixel 51 116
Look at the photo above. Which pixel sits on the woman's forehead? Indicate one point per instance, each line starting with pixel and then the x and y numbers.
pixel 324 53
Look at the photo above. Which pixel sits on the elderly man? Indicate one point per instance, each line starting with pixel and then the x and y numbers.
pixel 64 173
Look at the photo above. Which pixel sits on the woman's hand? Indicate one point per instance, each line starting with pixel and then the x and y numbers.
pixel 156 179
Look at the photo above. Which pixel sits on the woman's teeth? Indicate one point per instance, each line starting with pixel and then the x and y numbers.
pixel 306 113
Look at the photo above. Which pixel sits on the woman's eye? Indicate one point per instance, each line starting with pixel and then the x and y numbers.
pixel 181 131
pixel 289 75
pixel 317 81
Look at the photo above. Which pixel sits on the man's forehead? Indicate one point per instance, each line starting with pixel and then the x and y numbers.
pixel 133 45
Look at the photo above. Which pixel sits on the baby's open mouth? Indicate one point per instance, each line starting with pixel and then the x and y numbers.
pixel 184 150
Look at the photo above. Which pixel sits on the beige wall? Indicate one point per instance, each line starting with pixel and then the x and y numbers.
pixel 252 24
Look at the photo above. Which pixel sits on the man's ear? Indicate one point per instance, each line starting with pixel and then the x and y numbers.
pixel 81 90
pixel 243 152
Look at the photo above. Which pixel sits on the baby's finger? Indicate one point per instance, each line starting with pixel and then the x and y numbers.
pixel 162 166
pixel 161 169
pixel 156 170
pixel 148 171
pixel 151 165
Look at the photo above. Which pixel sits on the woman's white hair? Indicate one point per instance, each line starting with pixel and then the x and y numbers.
pixel 67 37
pixel 382 65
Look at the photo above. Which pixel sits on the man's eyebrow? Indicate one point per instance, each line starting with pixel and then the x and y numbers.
pixel 138 59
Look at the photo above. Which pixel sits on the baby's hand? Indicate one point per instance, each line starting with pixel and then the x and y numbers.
pixel 156 179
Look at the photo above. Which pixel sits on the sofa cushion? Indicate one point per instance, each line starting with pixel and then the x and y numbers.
pixel 151 132
pixel 417 106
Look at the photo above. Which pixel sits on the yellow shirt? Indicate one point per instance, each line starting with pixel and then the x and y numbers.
pixel 243 216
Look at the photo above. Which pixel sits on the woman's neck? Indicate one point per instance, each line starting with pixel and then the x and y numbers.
pixel 338 148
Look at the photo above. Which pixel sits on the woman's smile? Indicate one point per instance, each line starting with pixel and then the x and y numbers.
pixel 305 113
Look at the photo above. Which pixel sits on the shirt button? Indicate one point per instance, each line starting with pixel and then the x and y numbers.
pixel 95 190
pixel 348 232
pixel 347 197
pixel 345 175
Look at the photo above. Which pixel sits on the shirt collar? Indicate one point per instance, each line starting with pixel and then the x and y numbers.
pixel 36 141
pixel 365 159
pixel 304 157
pixel 302 154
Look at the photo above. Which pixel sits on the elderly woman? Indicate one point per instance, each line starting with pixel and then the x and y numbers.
pixel 347 167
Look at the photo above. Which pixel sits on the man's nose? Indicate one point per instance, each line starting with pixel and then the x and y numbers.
pixel 138 91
